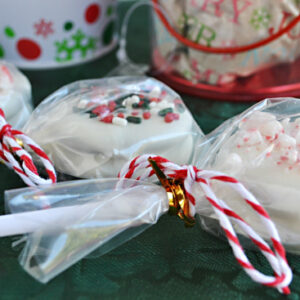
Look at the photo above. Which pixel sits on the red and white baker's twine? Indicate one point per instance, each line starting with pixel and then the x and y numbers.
pixel 25 168
pixel 140 169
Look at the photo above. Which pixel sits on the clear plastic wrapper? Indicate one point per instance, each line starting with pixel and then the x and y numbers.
pixel 67 221
pixel 92 128
pixel 15 95
pixel 261 148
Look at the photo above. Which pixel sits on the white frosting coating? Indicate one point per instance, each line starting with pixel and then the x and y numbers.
pixel 83 144
pixel 264 154
pixel 15 95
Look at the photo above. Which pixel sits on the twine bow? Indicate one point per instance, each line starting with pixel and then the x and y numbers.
pixel 13 154
pixel 140 169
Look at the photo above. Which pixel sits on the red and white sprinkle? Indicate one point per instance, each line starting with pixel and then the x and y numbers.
pixel 121 115
pixel 147 115
pixel 107 119
pixel 119 121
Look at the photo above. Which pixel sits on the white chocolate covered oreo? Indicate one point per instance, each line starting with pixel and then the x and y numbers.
pixel 92 128
pixel 261 148
pixel 15 95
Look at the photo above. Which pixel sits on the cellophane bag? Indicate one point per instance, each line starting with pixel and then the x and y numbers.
pixel 92 128
pixel 260 148
pixel 15 95
pixel 219 42
pixel 70 220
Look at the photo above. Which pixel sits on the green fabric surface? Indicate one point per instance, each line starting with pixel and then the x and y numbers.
pixel 168 261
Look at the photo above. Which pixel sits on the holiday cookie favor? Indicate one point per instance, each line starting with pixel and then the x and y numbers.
pixel 244 175
pixel 261 148
pixel 91 128
pixel 15 95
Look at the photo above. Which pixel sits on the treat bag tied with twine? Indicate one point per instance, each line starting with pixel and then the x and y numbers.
pixel 91 128
pixel 69 220
pixel 186 189
pixel 259 147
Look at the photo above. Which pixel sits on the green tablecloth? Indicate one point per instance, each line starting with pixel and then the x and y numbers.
pixel 167 261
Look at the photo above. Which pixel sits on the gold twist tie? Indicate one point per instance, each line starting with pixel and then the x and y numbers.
pixel 20 142
pixel 178 204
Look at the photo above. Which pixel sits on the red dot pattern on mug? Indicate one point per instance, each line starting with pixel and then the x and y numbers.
pixel 29 49
pixel 92 13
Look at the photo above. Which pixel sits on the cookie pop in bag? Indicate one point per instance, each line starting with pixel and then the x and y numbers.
pixel 65 222
pixel 261 148
pixel 92 128
pixel 15 95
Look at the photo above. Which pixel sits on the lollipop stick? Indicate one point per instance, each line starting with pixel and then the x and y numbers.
pixel 28 222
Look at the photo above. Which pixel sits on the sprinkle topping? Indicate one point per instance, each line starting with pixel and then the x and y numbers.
pixel 132 108
pixel 119 121
pixel 134 120
pixel 146 115
pixel 261 133
pixel 165 111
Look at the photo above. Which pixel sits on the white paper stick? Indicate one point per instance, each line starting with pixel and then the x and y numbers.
pixel 27 222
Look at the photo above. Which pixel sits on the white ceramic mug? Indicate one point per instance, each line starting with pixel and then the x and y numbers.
pixel 38 34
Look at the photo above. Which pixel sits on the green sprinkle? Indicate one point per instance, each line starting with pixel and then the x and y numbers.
pixel 92 115
pixel 119 101
pixel 135 105
pixel 165 111
pixel 135 120
pixel 146 105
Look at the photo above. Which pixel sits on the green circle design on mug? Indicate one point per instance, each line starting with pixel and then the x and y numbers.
pixel 68 26
pixel 109 10
pixel 9 32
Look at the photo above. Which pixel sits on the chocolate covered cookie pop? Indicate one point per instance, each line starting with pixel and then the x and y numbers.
pixel 92 128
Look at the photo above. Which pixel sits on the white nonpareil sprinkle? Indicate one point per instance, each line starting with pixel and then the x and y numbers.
pixel 82 103
pixel 131 100
pixel 119 121
pixel 165 104
pixel 153 104
pixel 155 92
pixel 135 98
